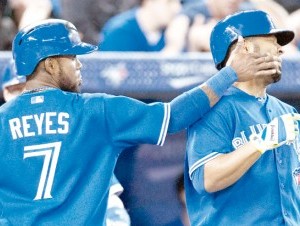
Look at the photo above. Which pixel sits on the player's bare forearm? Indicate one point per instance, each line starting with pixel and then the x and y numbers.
pixel 211 95
pixel 226 169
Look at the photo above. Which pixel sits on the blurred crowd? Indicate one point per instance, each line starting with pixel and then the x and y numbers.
pixel 169 26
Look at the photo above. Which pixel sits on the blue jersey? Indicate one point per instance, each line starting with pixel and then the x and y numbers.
pixel 59 149
pixel 123 33
pixel 268 193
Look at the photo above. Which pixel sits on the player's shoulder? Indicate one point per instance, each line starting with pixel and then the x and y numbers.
pixel 227 101
pixel 94 98
pixel 273 99
pixel 233 100
pixel 4 107
pixel 76 97
pixel 274 102
pixel 220 112
pixel 106 100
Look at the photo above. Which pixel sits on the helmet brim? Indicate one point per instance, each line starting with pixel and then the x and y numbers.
pixel 284 37
pixel 80 49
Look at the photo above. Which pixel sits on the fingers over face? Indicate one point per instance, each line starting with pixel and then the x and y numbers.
pixel 268 66
pixel 260 59
pixel 266 72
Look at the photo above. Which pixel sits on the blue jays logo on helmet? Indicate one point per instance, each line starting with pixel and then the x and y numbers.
pixel 51 37
pixel 246 24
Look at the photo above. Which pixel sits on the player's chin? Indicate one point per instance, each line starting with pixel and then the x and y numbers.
pixel 77 88
pixel 79 82
pixel 276 77
pixel 74 88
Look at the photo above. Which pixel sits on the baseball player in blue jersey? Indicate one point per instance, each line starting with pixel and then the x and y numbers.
pixel 59 147
pixel 242 165
pixel 12 86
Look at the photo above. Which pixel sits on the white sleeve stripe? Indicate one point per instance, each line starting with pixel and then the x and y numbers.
pixel 165 124
pixel 202 161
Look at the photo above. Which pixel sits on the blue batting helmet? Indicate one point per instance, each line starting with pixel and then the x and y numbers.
pixel 10 77
pixel 246 24
pixel 51 37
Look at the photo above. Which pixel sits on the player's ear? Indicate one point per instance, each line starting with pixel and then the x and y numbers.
pixel 51 65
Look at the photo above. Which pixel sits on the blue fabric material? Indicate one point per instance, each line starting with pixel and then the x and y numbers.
pixel 267 193
pixel 59 149
pixel 222 81
pixel 196 103
pixel 123 33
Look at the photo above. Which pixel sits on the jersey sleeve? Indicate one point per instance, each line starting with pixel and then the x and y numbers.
pixel 132 122
pixel 207 139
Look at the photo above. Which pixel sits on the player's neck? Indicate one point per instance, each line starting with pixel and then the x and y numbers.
pixel 252 88
pixel 37 84
pixel 40 79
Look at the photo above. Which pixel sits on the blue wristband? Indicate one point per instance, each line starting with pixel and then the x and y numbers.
pixel 187 108
pixel 221 81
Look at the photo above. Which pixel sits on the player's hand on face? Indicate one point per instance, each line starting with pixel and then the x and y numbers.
pixel 281 130
pixel 251 65
pixel 269 66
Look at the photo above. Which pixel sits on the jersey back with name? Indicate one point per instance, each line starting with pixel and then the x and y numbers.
pixel 59 149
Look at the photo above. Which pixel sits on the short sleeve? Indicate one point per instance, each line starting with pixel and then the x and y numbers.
pixel 132 122
pixel 207 139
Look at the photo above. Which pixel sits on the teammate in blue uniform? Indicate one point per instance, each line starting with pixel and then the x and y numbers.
pixel 242 164
pixel 12 86
pixel 59 147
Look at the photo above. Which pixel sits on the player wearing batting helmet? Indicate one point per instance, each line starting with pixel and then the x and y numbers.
pixel 59 147
pixel 242 165
pixel 12 86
